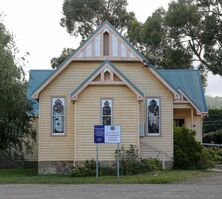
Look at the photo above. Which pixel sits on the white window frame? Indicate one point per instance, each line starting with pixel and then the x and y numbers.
pixel 53 99
pixel 110 100
pixel 147 116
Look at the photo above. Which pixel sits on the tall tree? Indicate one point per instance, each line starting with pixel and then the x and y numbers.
pixel 152 38
pixel 15 109
pixel 56 61
pixel 83 17
pixel 197 24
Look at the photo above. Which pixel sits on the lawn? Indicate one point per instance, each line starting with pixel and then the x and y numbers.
pixel 30 176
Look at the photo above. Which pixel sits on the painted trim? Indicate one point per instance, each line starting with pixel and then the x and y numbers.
pixel 75 132
pixel 66 62
pixel 191 102
pixel 36 93
pixel 119 74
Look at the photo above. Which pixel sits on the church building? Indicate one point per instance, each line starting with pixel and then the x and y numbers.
pixel 106 81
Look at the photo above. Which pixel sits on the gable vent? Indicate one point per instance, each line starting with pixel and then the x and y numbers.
pixel 106 44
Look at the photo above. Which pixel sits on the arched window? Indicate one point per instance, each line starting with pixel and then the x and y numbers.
pixel 106 111
pixel 58 116
pixel 153 116
pixel 106 44
pixel 106 76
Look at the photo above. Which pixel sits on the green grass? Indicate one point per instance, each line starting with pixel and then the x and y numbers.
pixel 30 176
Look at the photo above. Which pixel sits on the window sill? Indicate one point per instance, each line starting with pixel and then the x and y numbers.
pixel 154 135
pixel 58 135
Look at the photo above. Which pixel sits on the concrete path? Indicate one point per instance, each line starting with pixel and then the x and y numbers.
pixel 173 191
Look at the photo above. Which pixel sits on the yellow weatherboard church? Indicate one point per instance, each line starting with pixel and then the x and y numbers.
pixel 106 81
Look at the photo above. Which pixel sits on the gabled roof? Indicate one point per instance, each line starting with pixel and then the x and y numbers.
pixel 72 57
pixel 107 65
pixel 172 79
pixel 36 77
pixel 188 83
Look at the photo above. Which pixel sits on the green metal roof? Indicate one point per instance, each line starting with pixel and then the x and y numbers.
pixel 116 70
pixel 186 80
pixel 189 82
pixel 36 77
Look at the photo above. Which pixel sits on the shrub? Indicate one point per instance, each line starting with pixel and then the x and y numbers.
pixel 88 169
pixel 215 154
pixel 188 153
pixel 131 163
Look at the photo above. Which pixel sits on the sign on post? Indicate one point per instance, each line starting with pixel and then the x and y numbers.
pixel 107 135
pixel 112 135
pixel 98 134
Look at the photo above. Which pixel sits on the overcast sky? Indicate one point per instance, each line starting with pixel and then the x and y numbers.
pixel 35 24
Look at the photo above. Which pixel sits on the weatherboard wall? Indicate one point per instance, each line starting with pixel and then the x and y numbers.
pixel 152 87
pixel 126 108
pixel 52 148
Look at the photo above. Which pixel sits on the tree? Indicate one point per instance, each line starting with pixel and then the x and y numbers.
pixel 83 17
pixel 56 61
pixel 213 121
pixel 197 24
pixel 15 110
pixel 214 102
pixel 159 47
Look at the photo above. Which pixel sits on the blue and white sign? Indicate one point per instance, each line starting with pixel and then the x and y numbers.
pixel 98 134
pixel 107 134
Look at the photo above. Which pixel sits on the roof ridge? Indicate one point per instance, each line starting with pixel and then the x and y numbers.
pixel 177 70
pixel 41 70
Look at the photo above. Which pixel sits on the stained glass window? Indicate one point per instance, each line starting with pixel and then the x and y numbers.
pixel 106 111
pixel 58 116
pixel 153 116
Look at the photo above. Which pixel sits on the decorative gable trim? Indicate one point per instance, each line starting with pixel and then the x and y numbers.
pixel 100 71
pixel 191 102
pixel 79 54
pixel 119 47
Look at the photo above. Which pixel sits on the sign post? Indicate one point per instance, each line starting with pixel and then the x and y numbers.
pixel 97 161
pixel 118 160
pixel 98 138
pixel 106 135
